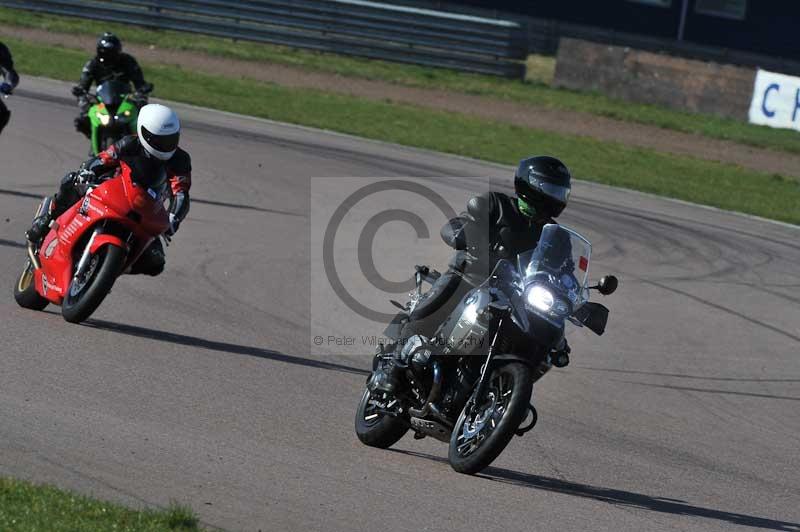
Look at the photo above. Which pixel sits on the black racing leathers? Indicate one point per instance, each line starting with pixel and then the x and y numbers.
pixel 130 151
pixel 125 69
pixel 9 76
pixel 491 229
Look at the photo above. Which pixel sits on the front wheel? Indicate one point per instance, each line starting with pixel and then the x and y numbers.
pixel 25 290
pixel 376 429
pixel 481 435
pixel 88 289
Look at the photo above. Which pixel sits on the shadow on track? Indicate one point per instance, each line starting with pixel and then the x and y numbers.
pixel 248 207
pixel 619 497
pixel 682 375
pixel 706 390
pixel 225 347
pixel 20 194
pixel 12 244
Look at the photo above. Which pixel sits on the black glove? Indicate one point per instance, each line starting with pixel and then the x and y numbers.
pixel 147 88
pixel 84 176
pixel 174 223
pixel 77 90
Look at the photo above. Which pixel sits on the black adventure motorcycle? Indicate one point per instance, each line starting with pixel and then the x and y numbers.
pixel 470 385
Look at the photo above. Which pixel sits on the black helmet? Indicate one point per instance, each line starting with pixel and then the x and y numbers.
pixel 108 48
pixel 542 185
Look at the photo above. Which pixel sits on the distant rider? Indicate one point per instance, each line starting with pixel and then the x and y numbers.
pixel 110 63
pixel 10 81
pixel 494 227
pixel 154 149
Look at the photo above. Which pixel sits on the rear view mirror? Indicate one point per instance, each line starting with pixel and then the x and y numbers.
pixel 606 285
pixel 453 234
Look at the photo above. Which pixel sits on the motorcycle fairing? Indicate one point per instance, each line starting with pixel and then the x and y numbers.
pixel 114 113
pixel 116 200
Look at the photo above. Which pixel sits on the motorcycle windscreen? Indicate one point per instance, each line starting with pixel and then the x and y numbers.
pixel 112 93
pixel 560 263
pixel 147 172
pixel 508 283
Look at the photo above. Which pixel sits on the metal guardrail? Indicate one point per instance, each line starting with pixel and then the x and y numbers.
pixel 544 35
pixel 354 27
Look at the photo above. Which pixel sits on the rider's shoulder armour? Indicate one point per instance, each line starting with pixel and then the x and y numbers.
pixel 180 163
pixel 481 207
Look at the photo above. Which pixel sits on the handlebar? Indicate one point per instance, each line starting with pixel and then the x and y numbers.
pixel 426 274
pixel 137 94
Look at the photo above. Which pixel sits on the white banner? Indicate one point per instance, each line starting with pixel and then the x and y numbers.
pixel 776 100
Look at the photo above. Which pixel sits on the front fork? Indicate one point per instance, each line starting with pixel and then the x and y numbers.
pixel 87 252
pixel 480 389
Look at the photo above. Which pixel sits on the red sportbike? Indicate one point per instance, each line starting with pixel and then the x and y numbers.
pixel 94 242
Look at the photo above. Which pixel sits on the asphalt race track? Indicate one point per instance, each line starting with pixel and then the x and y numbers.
pixel 198 385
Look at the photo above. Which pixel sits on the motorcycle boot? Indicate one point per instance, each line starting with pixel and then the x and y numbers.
pixel 41 222
pixel 82 125
pixel 53 207
pixel 414 353
pixel 386 377
pixel 560 356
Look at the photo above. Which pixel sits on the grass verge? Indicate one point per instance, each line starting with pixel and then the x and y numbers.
pixel 25 507
pixel 534 91
pixel 710 183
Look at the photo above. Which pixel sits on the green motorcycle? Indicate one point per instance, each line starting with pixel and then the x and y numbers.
pixel 113 114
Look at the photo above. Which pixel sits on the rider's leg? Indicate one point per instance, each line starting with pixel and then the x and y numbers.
pixel 435 306
pixel 152 260
pixel 65 198
pixel 82 120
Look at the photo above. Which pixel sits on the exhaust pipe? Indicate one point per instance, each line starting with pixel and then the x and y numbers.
pixel 433 396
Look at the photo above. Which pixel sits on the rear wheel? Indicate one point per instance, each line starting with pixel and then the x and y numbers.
pixel 376 429
pixel 481 435
pixel 87 290
pixel 25 290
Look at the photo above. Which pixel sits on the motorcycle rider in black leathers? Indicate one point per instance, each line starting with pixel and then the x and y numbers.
pixel 152 152
pixel 495 226
pixel 10 81
pixel 110 63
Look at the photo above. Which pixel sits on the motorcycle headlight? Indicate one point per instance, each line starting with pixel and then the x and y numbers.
pixel 540 298
pixel 104 119
pixel 126 112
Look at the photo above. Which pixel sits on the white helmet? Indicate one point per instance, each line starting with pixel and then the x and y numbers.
pixel 159 130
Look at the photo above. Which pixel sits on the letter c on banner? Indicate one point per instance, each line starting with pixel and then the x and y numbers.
pixel 767 112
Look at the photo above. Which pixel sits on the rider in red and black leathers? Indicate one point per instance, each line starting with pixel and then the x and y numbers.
pixel 130 150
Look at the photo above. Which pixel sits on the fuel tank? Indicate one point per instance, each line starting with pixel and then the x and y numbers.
pixel 464 332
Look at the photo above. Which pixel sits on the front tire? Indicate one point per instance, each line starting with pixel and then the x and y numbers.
pixel 85 295
pixel 25 290
pixel 380 430
pixel 480 437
